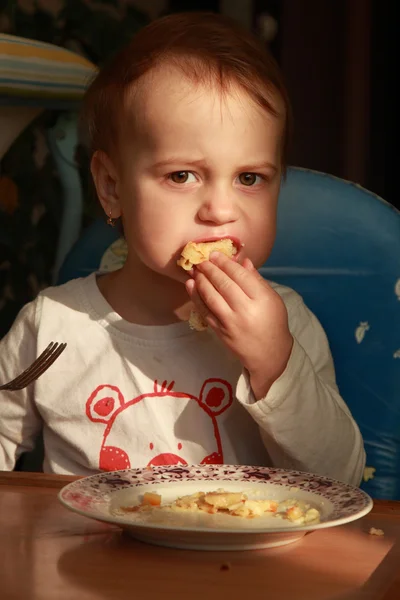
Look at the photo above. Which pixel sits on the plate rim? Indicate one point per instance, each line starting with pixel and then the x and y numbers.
pixel 124 523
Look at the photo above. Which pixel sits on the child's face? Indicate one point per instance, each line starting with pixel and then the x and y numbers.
pixel 194 165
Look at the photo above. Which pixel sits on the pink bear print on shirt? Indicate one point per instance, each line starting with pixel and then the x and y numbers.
pixel 177 411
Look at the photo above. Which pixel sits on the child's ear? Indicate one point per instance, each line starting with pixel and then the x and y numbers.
pixel 105 179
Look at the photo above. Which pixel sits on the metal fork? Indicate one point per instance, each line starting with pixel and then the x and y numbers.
pixel 37 368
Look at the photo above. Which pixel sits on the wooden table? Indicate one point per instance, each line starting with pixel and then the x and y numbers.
pixel 50 553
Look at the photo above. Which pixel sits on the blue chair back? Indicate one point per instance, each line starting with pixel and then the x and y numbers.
pixel 338 246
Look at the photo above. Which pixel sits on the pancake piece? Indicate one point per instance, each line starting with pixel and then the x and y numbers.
pixel 195 253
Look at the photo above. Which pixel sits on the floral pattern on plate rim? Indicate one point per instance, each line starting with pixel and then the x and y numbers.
pixel 92 491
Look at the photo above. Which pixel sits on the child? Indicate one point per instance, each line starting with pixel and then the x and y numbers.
pixel 188 128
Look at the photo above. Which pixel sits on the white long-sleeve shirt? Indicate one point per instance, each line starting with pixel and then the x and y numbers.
pixel 125 395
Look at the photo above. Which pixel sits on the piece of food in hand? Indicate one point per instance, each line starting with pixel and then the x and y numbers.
pixel 196 321
pixel 195 253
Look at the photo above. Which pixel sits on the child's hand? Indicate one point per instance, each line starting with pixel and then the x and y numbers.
pixel 246 314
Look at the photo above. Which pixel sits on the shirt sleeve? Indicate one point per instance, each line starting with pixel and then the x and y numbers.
pixel 304 422
pixel 19 420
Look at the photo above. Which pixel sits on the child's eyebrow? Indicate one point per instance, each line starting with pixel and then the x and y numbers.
pixel 178 160
pixel 257 166
pixel 202 163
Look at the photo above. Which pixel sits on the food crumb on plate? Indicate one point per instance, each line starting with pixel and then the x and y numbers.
pixel 375 531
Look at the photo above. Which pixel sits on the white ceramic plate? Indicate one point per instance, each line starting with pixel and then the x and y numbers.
pixel 96 497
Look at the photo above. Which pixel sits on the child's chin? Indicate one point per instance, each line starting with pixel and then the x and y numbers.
pixel 174 273
pixel 182 276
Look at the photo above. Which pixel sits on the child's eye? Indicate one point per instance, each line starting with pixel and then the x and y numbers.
pixel 250 179
pixel 182 177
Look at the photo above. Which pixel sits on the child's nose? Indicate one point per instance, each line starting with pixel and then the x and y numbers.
pixel 218 207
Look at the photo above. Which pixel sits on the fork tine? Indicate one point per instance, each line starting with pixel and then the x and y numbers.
pixel 37 368
pixel 47 352
pixel 41 366
pixel 48 362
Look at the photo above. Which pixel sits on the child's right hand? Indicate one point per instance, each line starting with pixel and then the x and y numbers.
pixel 246 314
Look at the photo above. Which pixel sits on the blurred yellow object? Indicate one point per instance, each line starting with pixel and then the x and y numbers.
pixel 369 473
